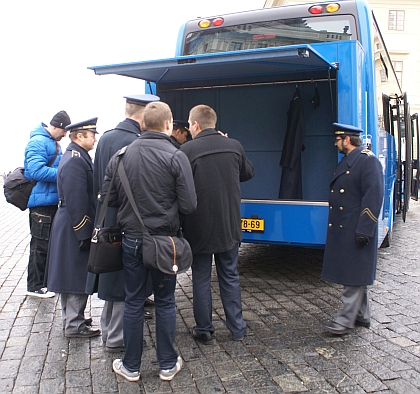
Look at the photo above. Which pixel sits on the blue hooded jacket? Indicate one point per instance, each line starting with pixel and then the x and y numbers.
pixel 38 153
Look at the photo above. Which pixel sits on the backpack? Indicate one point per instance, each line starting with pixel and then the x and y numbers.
pixel 17 188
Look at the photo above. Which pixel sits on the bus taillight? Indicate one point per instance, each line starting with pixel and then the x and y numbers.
pixel 319 9
pixel 204 23
pixel 330 8
pixel 218 22
pixel 316 9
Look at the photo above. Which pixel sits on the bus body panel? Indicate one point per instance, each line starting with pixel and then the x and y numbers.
pixel 251 90
pixel 283 222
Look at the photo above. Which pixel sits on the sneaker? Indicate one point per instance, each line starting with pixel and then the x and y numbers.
pixel 168 374
pixel 119 369
pixel 41 293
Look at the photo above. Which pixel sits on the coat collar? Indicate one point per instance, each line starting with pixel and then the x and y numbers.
pixel 206 132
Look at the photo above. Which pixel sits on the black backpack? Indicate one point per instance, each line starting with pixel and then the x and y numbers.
pixel 17 188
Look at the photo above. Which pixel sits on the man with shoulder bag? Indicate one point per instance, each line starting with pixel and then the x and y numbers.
pixel 162 185
pixel 40 166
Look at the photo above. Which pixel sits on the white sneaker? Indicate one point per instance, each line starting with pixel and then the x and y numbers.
pixel 168 374
pixel 119 368
pixel 41 293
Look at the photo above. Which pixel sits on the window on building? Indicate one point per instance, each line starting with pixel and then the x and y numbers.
pixel 235 46
pixel 396 20
pixel 398 67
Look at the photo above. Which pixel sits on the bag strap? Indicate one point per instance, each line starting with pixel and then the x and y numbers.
pixel 104 206
pixel 129 193
pixel 55 155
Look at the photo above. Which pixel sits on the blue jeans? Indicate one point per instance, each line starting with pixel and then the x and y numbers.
pixel 135 278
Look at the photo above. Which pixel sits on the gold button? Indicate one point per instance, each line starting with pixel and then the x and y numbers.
pixel 341 191
pixel 341 226
pixel 341 208
pixel 329 225
pixel 332 191
pixel 347 172
pixel 330 207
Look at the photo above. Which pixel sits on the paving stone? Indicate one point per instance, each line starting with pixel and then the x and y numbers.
pixel 290 384
pixel 402 386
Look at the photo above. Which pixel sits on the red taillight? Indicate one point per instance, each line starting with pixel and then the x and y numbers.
pixel 316 9
pixel 218 22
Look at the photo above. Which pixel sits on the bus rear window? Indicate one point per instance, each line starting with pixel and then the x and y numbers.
pixel 268 34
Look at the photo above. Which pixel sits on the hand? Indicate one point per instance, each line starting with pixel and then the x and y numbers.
pixel 362 240
pixel 84 245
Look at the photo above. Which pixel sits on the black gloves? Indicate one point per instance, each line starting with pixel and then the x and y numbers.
pixel 362 240
pixel 84 245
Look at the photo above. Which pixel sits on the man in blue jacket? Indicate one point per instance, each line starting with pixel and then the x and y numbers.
pixel 42 156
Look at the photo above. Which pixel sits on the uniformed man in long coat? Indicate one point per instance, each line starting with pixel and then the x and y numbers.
pixel 110 286
pixel 356 195
pixel 72 228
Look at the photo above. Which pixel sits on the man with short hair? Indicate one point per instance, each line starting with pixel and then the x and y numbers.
pixel 350 257
pixel 72 229
pixel 180 133
pixel 110 286
pixel 42 156
pixel 219 164
pixel 162 185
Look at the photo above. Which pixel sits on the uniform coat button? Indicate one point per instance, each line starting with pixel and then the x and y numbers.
pixel 341 191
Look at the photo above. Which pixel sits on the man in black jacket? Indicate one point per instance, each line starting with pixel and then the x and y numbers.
pixel 162 185
pixel 219 164
pixel 110 286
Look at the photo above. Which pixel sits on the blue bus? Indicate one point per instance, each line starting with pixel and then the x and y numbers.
pixel 251 66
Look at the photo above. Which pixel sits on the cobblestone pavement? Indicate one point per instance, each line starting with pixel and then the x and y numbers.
pixel 286 350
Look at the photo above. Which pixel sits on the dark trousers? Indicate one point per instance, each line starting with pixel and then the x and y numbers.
pixel 40 220
pixel 135 278
pixel 230 291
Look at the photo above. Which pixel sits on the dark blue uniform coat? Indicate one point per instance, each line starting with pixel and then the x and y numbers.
pixel 110 286
pixel 66 270
pixel 356 195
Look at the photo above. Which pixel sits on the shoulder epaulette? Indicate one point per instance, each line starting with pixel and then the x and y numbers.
pixel 75 153
pixel 367 152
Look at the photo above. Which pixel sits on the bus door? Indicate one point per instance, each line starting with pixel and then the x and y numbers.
pixel 395 108
pixel 415 155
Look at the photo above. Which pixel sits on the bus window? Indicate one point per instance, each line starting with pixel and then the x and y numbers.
pixel 276 33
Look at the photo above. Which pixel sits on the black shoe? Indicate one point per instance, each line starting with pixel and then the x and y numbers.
pixel 149 302
pixel 116 349
pixel 205 338
pixel 148 315
pixel 337 329
pixel 87 332
pixel 88 322
pixel 362 323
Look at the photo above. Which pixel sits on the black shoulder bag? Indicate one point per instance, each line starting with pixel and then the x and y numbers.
pixel 105 254
pixel 18 188
pixel 170 255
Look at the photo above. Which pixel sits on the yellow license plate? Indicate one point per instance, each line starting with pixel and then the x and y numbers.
pixel 252 224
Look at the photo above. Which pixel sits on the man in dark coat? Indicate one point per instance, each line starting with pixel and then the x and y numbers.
pixel 110 286
pixel 291 174
pixel 162 184
pixel 72 228
pixel 219 164
pixel 350 257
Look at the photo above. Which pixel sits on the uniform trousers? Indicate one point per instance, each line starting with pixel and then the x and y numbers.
pixel 73 312
pixel 355 306
pixel 230 291
pixel 112 319
pixel 135 278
